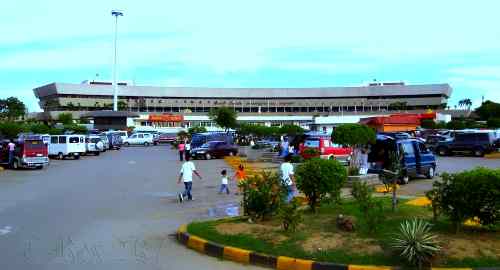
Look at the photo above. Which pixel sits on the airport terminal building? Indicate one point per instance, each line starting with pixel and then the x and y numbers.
pixel 269 106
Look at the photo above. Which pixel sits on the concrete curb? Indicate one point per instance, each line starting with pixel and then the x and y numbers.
pixel 276 262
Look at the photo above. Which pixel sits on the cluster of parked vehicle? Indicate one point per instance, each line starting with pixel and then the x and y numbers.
pixel 473 142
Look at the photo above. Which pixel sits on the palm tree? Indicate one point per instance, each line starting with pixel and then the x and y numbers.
pixel 467 103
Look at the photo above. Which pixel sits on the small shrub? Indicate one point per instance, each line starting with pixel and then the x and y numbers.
pixel 320 178
pixel 262 195
pixel 415 243
pixel 372 209
pixel 467 195
pixel 353 171
pixel 311 152
pixel 297 159
pixel 290 216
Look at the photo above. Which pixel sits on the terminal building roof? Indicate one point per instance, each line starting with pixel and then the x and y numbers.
pixel 255 93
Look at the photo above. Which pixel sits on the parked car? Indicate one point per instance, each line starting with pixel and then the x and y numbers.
pixel 476 143
pixel 198 139
pixel 416 160
pixel 324 148
pixel 432 141
pixel 156 135
pixel 62 146
pixel 214 149
pixel 94 145
pixel 268 143
pixel 30 152
pixel 115 139
pixel 123 134
pixel 167 137
pixel 105 142
pixel 145 139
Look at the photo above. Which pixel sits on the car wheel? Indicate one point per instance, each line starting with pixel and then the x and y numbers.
pixel 76 157
pixel 442 151
pixel 208 156
pixel 97 153
pixel 331 157
pixel 430 173
pixel 478 152
pixel 231 153
pixel 126 144
pixel 39 167
pixel 146 144
pixel 60 156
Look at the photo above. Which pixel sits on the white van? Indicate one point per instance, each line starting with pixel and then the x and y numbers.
pixel 145 139
pixel 62 146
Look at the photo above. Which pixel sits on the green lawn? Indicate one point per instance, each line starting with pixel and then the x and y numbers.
pixel 324 222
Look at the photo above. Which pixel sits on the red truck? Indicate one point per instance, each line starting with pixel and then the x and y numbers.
pixel 30 152
pixel 321 145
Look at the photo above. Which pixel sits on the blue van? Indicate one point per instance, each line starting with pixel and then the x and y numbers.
pixel 198 139
pixel 416 159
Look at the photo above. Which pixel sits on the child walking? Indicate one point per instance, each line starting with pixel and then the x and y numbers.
pixel 240 175
pixel 224 182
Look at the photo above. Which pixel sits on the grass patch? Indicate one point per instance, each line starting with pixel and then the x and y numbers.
pixel 318 238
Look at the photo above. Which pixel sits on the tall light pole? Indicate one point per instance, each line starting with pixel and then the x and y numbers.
pixel 115 13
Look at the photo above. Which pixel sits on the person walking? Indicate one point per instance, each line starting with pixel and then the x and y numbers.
pixel 12 147
pixel 181 148
pixel 224 183
pixel 187 149
pixel 239 176
pixel 288 177
pixel 186 175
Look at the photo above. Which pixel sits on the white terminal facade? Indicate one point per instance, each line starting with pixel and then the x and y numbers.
pixel 171 109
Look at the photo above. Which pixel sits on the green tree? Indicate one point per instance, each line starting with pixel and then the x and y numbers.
pixel 291 130
pixel 12 108
pixel 65 118
pixel 11 129
pixel 355 136
pixel 39 128
pixel 494 122
pixel 224 117
pixel 318 178
pixel 74 128
pixel 198 129
pixel 122 105
pixel 488 109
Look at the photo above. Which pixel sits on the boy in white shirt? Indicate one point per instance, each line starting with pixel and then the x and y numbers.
pixel 225 182
pixel 288 178
pixel 186 175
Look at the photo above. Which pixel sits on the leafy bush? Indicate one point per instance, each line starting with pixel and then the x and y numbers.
pixel 199 129
pixel 467 195
pixel 11 129
pixel 311 152
pixel 77 129
pixel 290 216
pixel 65 118
pixel 415 243
pixel 353 171
pixel 317 178
pixel 262 195
pixel 39 128
pixel 494 122
pixel 371 208
pixel 297 159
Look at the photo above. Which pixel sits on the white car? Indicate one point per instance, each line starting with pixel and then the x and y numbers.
pixel 94 145
pixel 145 139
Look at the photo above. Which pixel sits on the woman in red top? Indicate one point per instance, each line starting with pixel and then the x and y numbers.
pixel 240 175
pixel 181 148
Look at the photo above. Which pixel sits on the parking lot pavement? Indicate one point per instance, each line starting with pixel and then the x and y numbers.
pixel 114 210
pixel 460 163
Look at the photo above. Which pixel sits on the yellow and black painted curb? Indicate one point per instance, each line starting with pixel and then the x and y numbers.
pixel 276 262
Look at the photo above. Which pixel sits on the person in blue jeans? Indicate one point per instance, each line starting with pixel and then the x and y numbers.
pixel 224 182
pixel 288 177
pixel 186 175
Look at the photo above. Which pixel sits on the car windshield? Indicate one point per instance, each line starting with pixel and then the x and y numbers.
pixel 313 143
pixel 94 140
pixel 209 144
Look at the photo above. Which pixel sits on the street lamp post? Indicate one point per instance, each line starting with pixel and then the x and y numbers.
pixel 115 13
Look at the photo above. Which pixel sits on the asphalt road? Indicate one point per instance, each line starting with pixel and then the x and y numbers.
pixel 115 211
pixel 460 163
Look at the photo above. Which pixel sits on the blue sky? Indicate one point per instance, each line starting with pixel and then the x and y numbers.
pixel 255 43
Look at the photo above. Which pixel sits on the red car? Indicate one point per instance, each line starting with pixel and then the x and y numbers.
pixel 30 152
pixel 321 145
pixel 167 137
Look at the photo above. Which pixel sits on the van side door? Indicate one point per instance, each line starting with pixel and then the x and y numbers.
pixel 409 158
pixel 427 158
